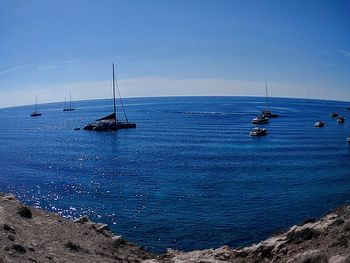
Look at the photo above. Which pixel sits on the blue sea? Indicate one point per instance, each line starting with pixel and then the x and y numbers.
pixel 189 176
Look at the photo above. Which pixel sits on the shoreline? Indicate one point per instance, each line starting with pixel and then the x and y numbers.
pixel 31 234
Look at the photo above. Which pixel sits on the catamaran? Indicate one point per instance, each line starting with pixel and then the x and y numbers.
pixel 36 113
pixel 70 108
pixel 110 122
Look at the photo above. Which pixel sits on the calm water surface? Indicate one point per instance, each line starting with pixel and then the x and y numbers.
pixel 189 177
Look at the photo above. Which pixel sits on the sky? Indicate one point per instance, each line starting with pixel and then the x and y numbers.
pixel 173 48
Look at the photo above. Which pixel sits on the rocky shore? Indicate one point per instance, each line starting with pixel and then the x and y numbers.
pixel 32 235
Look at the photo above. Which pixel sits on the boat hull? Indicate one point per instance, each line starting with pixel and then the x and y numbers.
pixel 319 124
pixel 258 133
pixel 109 126
pixel 35 114
pixel 260 121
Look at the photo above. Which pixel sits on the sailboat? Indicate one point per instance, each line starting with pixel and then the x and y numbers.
pixel 267 112
pixel 110 122
pixel 70 104
pixel 36 113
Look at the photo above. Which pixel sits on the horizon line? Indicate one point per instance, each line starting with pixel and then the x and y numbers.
pixel 180 96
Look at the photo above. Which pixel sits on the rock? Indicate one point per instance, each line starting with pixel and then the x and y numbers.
pixel 19 248
pixel 340 242
pixel 9 228
pixel 309 220
pixel 24 212
pixel 299 236
pixel 9 197
pixel 101 227
pixel 311 256
pixel 118 240
pixel 82 220
pixel 107 233
pixel 264 251
pixel 11 237
pixel 340 259
pixel 32 259
pixel 338 222
pixel 31 249
pixel 48 237
pixel 72 246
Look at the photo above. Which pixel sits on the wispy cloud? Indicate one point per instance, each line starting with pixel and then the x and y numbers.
pixel 55 65
pixel 40 66
pixel 16 68
pixel 346 53
pixel 327 64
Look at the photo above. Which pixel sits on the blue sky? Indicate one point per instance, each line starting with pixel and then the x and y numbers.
pixel 166 48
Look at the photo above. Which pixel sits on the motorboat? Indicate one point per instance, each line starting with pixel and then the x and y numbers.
pixel 319 124
pixel 258 132
pixel 260 120
pixel 334 115
pixel 341 119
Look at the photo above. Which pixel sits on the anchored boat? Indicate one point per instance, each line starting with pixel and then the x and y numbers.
pixel 70 108
pixel 319 124
pixel 258 132
pixel 334 115
pixel 267 112
pixel 260 120
pixel 36 113
pixel 110 122
pixel 341 119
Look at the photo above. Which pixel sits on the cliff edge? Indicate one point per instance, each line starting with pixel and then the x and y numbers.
pixel 32 235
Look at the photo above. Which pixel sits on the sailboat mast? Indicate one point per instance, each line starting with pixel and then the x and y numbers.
pixel 267 96
pixel 36 103
pixel 114 104
pixel 70 100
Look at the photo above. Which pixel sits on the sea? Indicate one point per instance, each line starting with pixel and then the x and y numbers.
pixel 189 176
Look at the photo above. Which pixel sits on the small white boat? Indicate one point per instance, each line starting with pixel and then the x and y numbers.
pixel 260 120
pixel 258 132
pixel 341 119
pixel 319 124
